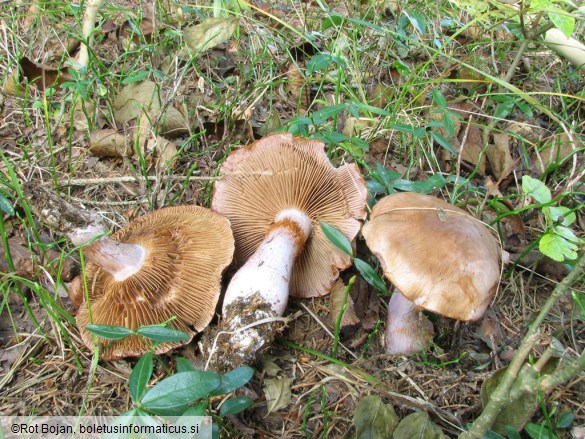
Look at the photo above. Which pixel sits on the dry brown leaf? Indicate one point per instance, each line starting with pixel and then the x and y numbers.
pixel 472 148
pixel 206 35
pixel 277 392
pixel 163 150
pixel 173 124
pixel 41 75
pixel 556 149
pixel 499 156
pixel 297 88
pixel 109 143
pixel 337 295
pixel 136 99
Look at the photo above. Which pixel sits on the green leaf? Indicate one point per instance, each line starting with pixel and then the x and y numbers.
pixel 370 275
pixel 137 77
pixel 536 431
pixel 198 409
pixel 565 420
pixel 109 332
pixel 563 22
pixel 422 187
pixel 234 379
pixel 6 206
pixel 174 393
pixel 511 432
pixel 561 211
pixel 439 98
pixel 329 136
pixel 373 419
pixel 337 237
pixel 184 365
pixel 365 108
pixel 536 189
pixel 332 20
pixel 319 62
pixel 235 405
pixel 140 376
pixel 504 109
pixel 443 142
pixel 559 244
pixel 162 334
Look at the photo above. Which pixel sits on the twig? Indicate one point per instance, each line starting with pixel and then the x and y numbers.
pixel 128 179
pixel 501 395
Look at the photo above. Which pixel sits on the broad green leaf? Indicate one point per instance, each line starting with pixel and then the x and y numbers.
pixel 439 98
pixel 319 62
pixel 536 189
pixel 563 22
pixel 557 212
pixel 504 109
pixel 373 419
pixel 184 365
pixel 492 435
pixel 512 432
pixel 417 21
pixel 235 405
pixel 175 392
pixel 337 237
pixel 234 379
pixel 365 108
pixel 558 247
pixel 140 376
pixel 321 116
pixel 329 136
pixel 422 187
pixel 198 409
pixel 565 420
pixel 418 425
pixel 330 21
pixel 109 332
pixel 370 275
pixel 449 124
pixel 162 334
pixel 137 77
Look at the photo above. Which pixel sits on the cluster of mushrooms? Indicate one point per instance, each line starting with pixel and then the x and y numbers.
pixel 266 212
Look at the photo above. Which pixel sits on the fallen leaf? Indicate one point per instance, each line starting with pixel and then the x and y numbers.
pixel 136 99
pixel 109 143
pixel 277 392
pixel 373 419
pixel 556 150
pixel 499 156
pixel 472 148
pixel 418 426
pixel 173 124
pixel 299 91
pixel 40 75
pixel 206 35
pixel 164 151
pixel 337 296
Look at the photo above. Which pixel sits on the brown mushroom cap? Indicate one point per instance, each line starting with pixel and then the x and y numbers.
pixel 188 249
pixel 437 255
pixel 282 172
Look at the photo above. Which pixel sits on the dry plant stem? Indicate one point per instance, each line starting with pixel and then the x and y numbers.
pixel 112 180
pixel 500 398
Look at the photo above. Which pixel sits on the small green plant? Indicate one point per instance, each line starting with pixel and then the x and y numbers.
pixel 185 393
pixel 558 241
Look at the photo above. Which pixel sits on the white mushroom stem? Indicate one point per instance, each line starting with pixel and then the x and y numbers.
pixel 407 329
pixel 121 260
pixel 268 271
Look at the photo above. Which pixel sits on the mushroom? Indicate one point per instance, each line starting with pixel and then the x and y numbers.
pixel 167 263
pixel 439 257
pixel 275 192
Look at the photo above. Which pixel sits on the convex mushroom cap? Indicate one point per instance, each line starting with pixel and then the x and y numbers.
pixel 175 257
pixel 438 256
pixel 279 173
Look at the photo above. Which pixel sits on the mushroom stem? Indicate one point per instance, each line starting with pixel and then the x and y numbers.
pixel 268 271
pixel 258 292
pixel 121 260
pixel 407 329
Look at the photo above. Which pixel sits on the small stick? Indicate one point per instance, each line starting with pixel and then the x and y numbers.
pixel 129 179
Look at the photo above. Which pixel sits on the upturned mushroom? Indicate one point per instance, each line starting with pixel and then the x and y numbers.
pixel 439 257
pixel 167 263
pixel 275 192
